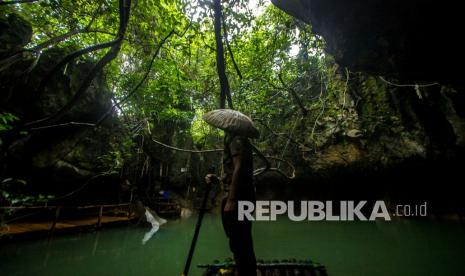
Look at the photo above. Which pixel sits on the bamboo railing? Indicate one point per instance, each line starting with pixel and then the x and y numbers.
pixel 59 208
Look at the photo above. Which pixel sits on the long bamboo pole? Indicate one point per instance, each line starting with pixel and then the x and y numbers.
pixel 197 230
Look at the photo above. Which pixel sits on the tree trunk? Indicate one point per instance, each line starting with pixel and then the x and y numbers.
pixel 220 63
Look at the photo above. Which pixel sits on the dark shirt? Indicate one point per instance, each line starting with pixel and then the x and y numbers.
pixel 239 146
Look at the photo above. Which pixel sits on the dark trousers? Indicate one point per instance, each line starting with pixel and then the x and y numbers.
pixel 239 234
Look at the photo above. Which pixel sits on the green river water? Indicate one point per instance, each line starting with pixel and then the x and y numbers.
pixel 402 247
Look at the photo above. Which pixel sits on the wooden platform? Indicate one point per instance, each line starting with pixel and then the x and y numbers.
pixel 36 219
pixel 29 227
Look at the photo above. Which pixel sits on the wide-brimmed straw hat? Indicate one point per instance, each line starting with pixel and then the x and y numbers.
pixel 232 121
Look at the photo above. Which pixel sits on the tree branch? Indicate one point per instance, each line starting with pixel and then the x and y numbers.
pixel 225 34
pixel 16 2
pixel 149 67
pixel 295 96
pixel 65 36
pixel 139 84
pixel 277 170
pixel 125 6
pixel 131 93
pixel 76 54
pixel 62 37
pixel 63 125
pixel 289 137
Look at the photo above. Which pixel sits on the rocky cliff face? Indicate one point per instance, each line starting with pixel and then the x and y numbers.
pixel 407 94
pixel 410 40
pixel 408 97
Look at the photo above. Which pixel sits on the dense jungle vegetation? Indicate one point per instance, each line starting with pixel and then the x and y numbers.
pixel 90 88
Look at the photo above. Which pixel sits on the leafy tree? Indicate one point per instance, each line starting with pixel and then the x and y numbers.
pixel 163 63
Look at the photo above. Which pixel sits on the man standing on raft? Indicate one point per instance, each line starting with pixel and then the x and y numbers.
pixel 238 177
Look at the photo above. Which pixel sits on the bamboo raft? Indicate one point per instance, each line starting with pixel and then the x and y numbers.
pixel 268 268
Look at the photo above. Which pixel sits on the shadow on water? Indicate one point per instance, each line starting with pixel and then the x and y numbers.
pixel 346 248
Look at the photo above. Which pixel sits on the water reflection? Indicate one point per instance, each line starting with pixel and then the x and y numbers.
pixel 155 221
